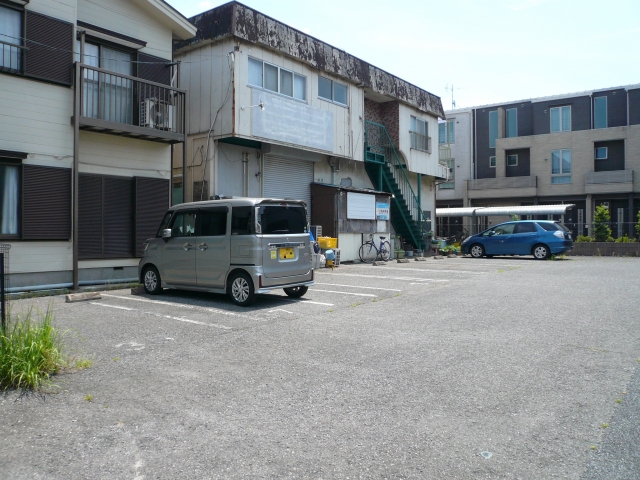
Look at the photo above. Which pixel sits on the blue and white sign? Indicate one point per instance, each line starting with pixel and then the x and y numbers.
pixel 382 211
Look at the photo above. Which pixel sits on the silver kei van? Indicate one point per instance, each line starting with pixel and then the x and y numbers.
pixel 239 246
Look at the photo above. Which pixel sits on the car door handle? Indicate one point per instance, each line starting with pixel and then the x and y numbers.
pixel 187 246
pixel 203 246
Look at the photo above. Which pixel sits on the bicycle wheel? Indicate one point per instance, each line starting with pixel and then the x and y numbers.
pixel 385 252
pixel 368 252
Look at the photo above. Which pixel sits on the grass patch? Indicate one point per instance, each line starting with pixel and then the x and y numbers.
pixel 605 425
pixel 89 398
pixel 31 352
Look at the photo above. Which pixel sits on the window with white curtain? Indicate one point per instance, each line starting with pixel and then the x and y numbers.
pixel 10 39
pixel 107 96
pixel 9 196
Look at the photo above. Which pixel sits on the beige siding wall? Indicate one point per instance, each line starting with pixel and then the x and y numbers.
pixel 127 157
pixel 61 9
pixel 30 257
pixel 125 17
pixel 36 118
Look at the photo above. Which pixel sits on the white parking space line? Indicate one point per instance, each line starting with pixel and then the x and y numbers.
pixel 345 293
pixel 358 286
pixel 313 303
pixel 112 306
pixel 180 319
pixel 179 305
pixel 384 277
pixel 429 270
pixel 280 310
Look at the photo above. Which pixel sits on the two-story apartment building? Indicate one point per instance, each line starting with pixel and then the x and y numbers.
pixel 273 110
pixel 581 149
pixel 89 114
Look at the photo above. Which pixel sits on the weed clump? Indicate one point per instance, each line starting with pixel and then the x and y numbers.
pixel 30 351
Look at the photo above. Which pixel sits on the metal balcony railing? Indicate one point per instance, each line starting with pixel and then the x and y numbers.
pixel 11 57
pixel 502 182
pixel 420 142
pixel 613 176
pixel 107 97
pixel 444 153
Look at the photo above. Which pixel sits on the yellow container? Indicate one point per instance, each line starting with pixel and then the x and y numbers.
pixel 327 242
pixel 329 263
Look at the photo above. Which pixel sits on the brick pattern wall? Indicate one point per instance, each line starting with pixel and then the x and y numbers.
pixel 387 114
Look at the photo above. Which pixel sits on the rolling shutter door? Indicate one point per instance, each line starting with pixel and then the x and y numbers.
pixel 285 178
pixel 155 69
pixel 89 216
pixel 118 217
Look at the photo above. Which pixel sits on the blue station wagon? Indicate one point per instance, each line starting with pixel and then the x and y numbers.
pixel 540 238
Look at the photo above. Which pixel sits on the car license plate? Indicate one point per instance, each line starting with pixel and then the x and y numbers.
pixel 286 253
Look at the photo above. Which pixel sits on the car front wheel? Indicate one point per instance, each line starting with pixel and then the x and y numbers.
pixel 541 252
pixel 476 250
pixel 240 288
pixel 151 281
pixel 296 292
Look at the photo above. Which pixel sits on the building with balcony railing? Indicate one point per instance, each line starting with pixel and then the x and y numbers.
pixel 90 114
pixel 581 149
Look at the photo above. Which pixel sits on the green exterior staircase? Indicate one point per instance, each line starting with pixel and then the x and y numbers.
pixel 388 173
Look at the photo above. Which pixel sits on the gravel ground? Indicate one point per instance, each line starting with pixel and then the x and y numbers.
pixel 457 368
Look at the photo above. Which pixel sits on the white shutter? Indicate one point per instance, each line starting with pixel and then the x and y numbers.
pixel 287 178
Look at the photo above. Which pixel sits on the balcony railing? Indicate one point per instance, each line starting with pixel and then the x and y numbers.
pixel 613 176
pixel 502 182
pixel 444 153
pixel 10 57
pixel 120 104
pixel 420 142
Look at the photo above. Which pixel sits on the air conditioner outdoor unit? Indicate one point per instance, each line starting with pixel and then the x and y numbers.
pixel 156 113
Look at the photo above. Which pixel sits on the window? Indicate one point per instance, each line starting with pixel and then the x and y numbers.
pixel 419 134
pixel 561 166
pixel 492 162
pixel 9 199
pixel 332 91
pixel 493 128
pixel 276 79
pixel 525 227
pixel 10 39
pixel 23 214
pixel 213 223
pixel 512 160
pixel 241 221
pixel 550 227
pixel 279 219
pixel 107 97
pixel 601 153
pixel 164 224
pixel 184 224
pixel 446 132
pixel 561 119
pixel 512 122
pixel 600 112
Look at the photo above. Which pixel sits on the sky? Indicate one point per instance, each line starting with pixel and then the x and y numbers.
pixel 484 51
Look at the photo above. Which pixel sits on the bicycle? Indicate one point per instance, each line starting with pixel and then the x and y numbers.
pixel 369 253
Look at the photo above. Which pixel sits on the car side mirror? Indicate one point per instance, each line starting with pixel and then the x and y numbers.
pixel 166 233
pixel 492 233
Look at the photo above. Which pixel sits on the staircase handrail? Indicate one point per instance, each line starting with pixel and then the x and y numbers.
pixel 403 182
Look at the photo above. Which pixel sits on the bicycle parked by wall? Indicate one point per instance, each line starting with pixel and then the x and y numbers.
pixel 369 253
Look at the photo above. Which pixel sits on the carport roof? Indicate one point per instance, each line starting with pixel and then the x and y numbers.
pixel 514 210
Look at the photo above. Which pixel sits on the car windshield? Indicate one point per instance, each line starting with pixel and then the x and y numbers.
pixel 283 219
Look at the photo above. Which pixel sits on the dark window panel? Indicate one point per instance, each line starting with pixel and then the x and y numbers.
pixel 46 203
pixel 90 197
pixel 118 217
pixel 154 69
pixel 50 45
pixel 151 203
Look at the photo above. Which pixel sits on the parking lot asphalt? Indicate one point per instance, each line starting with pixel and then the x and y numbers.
pixel 455 368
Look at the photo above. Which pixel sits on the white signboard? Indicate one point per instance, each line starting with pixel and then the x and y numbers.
pixel 289 121
pixel 382 211
pixel 361 206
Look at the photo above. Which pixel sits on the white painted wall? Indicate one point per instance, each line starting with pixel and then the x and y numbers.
pixel 462 152
pixel 417 160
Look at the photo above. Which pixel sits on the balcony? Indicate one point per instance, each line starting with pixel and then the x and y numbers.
pixel 502 187
pixel 11 57
pixel 614 181
pixel 127 106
